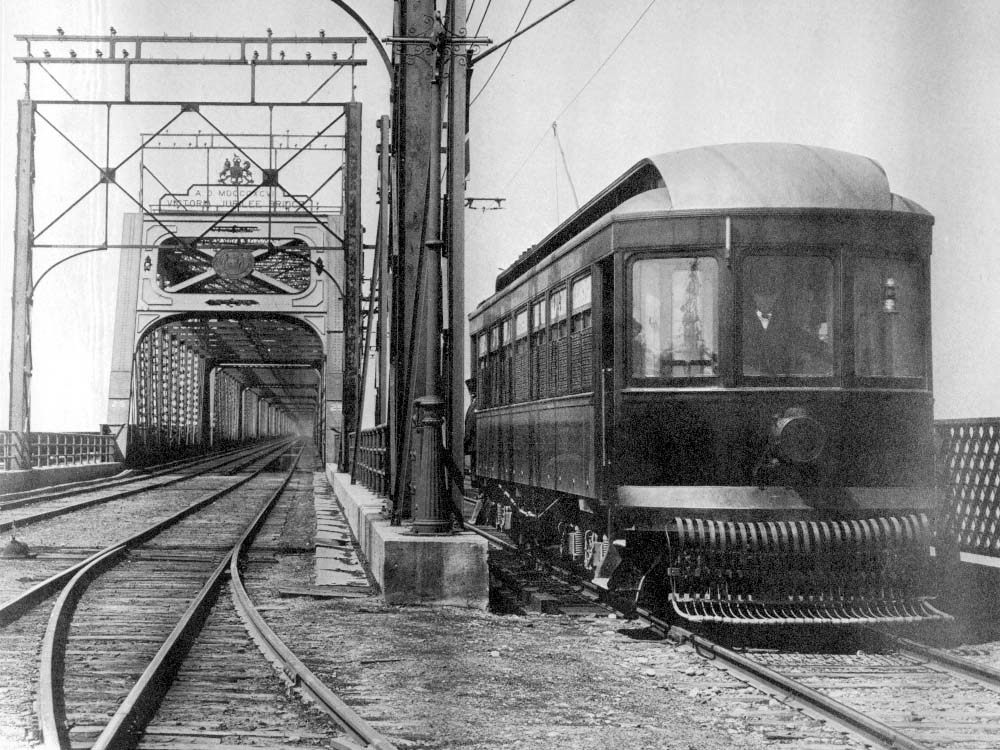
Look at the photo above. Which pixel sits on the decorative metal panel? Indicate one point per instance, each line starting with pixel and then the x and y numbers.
pixel 232 265
pixel 970 463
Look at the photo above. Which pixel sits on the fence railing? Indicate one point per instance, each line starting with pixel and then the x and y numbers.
pixel 970 480
pixel 372 465
pixel 19 450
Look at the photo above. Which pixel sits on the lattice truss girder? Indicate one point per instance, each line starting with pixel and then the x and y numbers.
pixel 971 457
pixel 227 391
pixel 169 393
pixel 266 375
pixel 288 181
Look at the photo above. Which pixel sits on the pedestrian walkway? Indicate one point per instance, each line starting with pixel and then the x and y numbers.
pixel 337 563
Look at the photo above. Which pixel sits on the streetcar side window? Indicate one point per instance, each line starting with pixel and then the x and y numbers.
pixel 558 345
pixel 674 327
pixel 788 322
pixel 483 389
pixel 581 338
pixel 495 373
pixel 506 362
pixel 889 306
pixel 539 351
pixel 521 355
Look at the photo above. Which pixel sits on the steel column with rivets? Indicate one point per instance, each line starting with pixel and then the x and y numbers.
pixel 430 515
pixel 413 140
pixel 455 247
pixel 352 277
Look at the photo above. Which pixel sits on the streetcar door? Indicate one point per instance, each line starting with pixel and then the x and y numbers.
pixel 606 380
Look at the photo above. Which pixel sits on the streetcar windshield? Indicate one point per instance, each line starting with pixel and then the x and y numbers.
pixel 888 318
pixel 787 316
pixel 674 326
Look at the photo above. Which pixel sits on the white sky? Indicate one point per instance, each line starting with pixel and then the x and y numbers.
pixel 914 85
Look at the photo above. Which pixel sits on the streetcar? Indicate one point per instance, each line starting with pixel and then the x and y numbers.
pixel 710 388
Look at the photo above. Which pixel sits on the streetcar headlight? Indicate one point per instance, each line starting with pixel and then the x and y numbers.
pixel 797 437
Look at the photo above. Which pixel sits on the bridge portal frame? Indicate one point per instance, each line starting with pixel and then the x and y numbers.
pixel 126 53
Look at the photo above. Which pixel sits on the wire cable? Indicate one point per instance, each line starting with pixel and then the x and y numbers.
pixel 577 95
pixel 488 4
pixel 506 50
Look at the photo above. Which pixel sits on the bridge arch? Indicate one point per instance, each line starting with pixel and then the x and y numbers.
pixel 206 379
pixel 209 352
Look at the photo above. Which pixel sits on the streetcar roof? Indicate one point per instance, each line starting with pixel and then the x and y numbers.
pixel 772 175
pixel 734 176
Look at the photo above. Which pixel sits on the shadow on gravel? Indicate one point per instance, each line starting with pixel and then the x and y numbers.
pixel 641 634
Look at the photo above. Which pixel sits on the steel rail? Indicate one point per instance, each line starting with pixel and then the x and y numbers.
pixel 54 492
pixel 52 712
pixel 83 504
pixel 787 688
pixel 139 706
pixel 289 667
pixel 986 675
pixel 760 676
pixel 23 602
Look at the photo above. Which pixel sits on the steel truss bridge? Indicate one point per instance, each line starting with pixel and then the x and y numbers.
pixel 239 293
pixel 242 310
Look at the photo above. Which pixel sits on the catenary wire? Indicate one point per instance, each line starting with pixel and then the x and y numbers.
pixel 577 95
pixel 497 66
pixel 487 10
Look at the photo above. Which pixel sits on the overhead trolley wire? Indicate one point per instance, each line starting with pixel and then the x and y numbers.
pixel 488 4
pixel 506 50
pixel 577 95
pixel 525 30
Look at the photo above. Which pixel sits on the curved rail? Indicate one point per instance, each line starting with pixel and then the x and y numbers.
pixel 52 712
pixel 141 702
pixel 290 667
pixel 20 604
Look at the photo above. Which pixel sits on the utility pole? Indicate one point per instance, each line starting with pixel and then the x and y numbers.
pixel 20 340
pixel 458 73
pixel 429 512
pixel 412 141
pixel 353 267
pixel 384 285
pixel 433 50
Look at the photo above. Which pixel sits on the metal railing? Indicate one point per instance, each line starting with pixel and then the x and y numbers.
pixel 372 466
pixel 970 482
pixel 30 450
pixel 969 479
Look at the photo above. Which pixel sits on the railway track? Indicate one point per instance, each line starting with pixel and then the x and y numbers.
pixel 55 540
pixel 26 497
pixel 894 698
pixel 23 509
pixel 146 648
pixel 884 690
